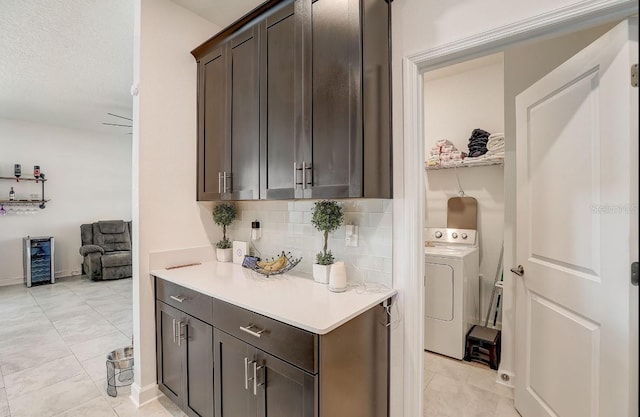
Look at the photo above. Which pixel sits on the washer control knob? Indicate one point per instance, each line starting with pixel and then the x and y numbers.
pixel 438 234
pixel 454 235
pixel 464 236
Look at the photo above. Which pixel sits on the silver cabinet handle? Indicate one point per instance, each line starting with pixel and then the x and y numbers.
pixel 248 328
pixel 246 373
pixel 295 175
pixel 174 331
pixel 178 298
pixel 255 378
pixel 306 167
pixel 519 270
pixel 304 175
pixel 219 182
pixel 256 368
pixel 180 326
pixel 224 181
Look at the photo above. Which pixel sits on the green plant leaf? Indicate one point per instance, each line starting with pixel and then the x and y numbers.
pixel 224 244
pixel 324 258
pixel 326 216
pixel 224 214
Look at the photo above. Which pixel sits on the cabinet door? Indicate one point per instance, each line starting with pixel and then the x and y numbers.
pixel 198 343
pixel 213 125
pixel 243 67
pixel 281 100
pixel 336 99
pixel 231 377
pixel 169 354
pixel 284 390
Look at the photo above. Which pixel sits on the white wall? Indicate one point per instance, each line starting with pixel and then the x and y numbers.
pixel 88 179
pixel 166 212
pixel 458 99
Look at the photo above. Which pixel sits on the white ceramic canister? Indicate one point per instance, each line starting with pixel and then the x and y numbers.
pixel 338 277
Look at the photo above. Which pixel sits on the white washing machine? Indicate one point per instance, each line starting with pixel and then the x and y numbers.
pixel 451 286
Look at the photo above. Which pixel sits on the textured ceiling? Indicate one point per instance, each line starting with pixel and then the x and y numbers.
pixel 220 12
pixel 66 62
pixel 70 62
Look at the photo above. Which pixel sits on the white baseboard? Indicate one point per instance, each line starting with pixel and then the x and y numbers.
pixel 11 281
pixel 57 274
pixel 67 273
pixel 143 395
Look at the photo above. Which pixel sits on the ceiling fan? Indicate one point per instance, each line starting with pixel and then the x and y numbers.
pixel 119 124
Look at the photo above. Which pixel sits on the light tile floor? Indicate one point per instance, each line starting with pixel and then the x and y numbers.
pixel 54 340
pixel 456 388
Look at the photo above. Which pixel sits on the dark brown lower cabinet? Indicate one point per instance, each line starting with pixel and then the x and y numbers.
pixel 253 383
pixel 233 362
pixel 185 360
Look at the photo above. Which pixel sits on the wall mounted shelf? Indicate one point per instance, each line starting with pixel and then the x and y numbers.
pixel 41 202
pixel 23 179
pixel 22 202
pixel 465 165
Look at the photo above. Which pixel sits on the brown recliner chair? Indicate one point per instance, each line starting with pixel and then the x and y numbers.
pixel 106 249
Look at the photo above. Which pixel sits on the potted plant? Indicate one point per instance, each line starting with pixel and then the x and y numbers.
pixel 326 217
pixel 223 215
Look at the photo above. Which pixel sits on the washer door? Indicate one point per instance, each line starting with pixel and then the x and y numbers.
pixel 438 291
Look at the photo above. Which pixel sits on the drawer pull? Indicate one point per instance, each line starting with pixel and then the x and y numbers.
pixel 247 329
pixel 178 298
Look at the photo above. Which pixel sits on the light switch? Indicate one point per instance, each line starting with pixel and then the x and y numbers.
pixel 351 235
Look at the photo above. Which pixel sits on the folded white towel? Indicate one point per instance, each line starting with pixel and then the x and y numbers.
pixel 444 142
pixel 483 159
pixel 495 147
pixel 495 143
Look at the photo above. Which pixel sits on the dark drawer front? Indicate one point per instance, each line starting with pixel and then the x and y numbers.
pixel 191 302
pixel 296 346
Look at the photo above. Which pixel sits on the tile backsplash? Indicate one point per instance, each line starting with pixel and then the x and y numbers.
pixel 286 225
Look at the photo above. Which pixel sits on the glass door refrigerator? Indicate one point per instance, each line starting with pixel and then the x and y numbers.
pixel 38 260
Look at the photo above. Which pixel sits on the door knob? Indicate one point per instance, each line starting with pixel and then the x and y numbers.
pixel 519 270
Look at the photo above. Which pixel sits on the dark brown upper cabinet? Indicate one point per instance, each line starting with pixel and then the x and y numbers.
pixel 281 101
pixel 307 111
pixel 244 100
pixel 213 126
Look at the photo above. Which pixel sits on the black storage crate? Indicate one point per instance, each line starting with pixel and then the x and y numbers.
pixel 38 260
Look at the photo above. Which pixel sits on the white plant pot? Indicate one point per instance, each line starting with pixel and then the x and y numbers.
pixel 321 273
pixel 224 255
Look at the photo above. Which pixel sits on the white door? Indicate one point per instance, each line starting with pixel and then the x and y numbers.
pixel 576 227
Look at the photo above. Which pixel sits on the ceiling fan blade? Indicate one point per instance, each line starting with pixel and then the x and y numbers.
pixel 114 124
pixel 121 117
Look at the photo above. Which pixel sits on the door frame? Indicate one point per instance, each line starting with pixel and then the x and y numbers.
pixel 409 206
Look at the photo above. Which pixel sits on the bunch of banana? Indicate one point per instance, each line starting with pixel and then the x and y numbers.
pixel 274 265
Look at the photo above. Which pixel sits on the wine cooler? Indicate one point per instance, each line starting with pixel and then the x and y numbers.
pixel 38 260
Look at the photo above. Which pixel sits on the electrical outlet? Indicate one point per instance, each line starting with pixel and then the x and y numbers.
pixel 351 235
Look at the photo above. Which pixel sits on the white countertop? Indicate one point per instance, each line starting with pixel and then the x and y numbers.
pixel 300 302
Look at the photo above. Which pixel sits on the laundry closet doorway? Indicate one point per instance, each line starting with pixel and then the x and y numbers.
pixel 458 99
pixel 523 64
